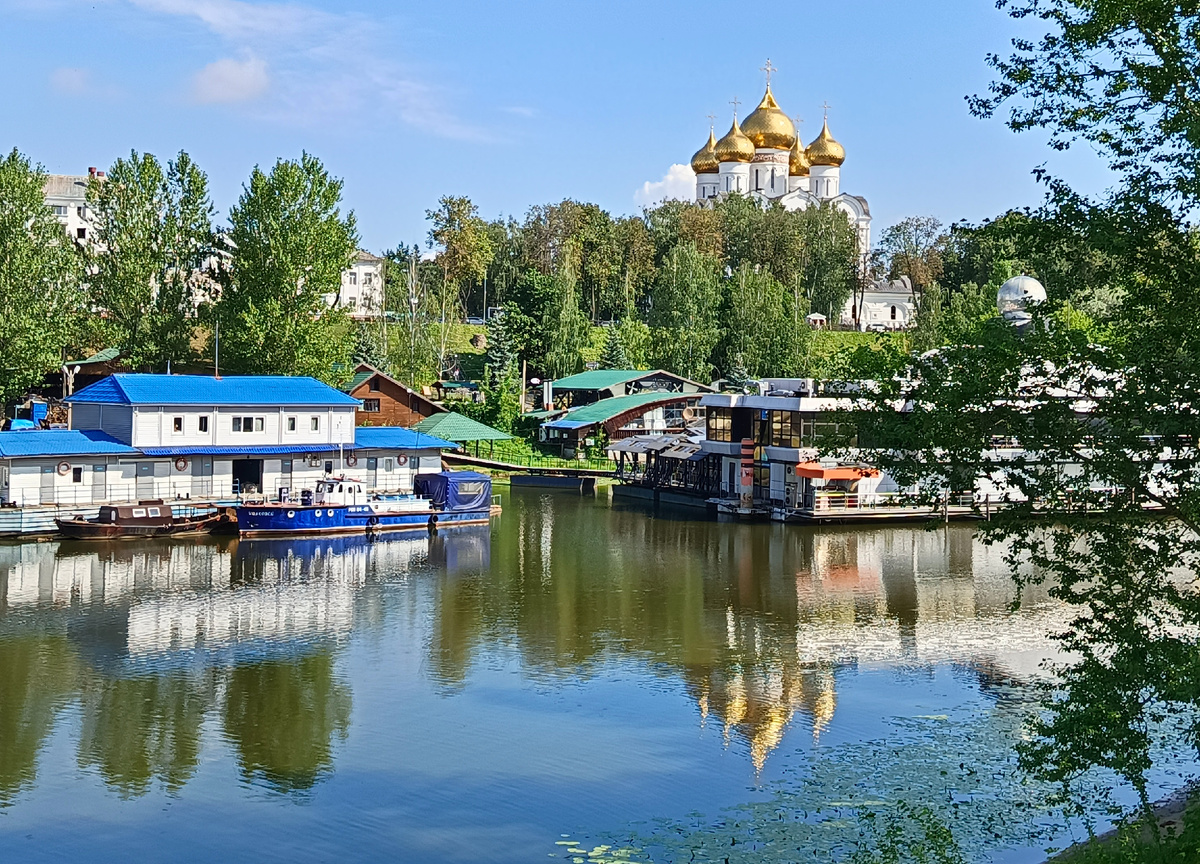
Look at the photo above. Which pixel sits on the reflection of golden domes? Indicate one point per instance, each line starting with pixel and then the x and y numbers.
pixel 735 146
pixel 768 127
pixel 705 161
pixel 798 164
pixel 825 150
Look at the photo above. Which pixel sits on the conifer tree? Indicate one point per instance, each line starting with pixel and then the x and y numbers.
pixel 614 356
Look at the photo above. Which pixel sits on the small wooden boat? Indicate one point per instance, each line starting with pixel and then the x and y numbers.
pixel 143 519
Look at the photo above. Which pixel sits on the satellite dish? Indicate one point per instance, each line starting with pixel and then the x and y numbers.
pixel 535 380
pixel 689 413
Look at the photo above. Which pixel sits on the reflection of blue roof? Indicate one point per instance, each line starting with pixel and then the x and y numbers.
pixel 397 438
pixel 133 389
pixel 61 442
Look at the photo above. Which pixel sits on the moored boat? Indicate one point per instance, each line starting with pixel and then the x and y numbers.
pixel 143 519
pixel 340 505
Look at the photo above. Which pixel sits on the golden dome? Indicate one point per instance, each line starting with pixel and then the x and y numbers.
pixel 824 150
pixel 705 161
pixel 735 146
pixel 798 163
pixel 768 127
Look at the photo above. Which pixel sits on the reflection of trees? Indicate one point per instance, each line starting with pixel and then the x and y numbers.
pixel 37 674
pixel 142 728
pixel 282 716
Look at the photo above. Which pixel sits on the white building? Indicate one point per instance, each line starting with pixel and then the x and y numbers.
pixel 66 195
pixel 763 158
pixel 885 305
pixel 361 292
pixel 174 437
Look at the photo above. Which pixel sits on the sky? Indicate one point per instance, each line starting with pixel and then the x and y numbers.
pixel 520 103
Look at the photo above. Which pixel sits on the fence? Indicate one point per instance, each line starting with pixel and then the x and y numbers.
pixel 859 501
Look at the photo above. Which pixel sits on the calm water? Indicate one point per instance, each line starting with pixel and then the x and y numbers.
pixel 579 669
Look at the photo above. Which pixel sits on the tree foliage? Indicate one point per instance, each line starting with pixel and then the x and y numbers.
pixel 40 269
pixel 288 246
pixel 685 312
pixel 153 238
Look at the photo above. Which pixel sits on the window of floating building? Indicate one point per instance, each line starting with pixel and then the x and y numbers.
pixel 371 406
pixel 76 475
pixel 720 424
pixel 291 424
pixel 785 429
pixel 314 424
pixel 177 425
pixel 203 424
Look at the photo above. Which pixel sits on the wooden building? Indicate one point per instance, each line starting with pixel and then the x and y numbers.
pixel 387 402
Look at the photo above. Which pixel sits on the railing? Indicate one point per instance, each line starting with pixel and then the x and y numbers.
pixel 829 501
pixel 525 459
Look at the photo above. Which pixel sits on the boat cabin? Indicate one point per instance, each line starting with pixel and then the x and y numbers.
pixel 338 492
pixel 149 513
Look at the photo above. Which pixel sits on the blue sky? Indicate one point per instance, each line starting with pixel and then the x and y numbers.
pixel 518 103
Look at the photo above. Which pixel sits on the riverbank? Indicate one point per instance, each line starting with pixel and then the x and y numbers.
pixel 1178 817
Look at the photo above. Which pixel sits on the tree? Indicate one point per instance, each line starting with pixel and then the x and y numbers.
pixel 1105 414
pixel 366 349
pixel 501 358
pixel 153 239
pixel 465 249
pixel 760 325
pixel 737 377
pixel 40 308
pixel 913 247
pixel 1118 74
pixel 828 268
pixel 614 356
pixel 565 324
pixel 685 307
pixel 288 245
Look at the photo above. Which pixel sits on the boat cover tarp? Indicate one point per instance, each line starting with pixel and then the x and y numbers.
pixel 456 490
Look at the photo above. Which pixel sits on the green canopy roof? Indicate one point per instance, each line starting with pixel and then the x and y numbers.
pixel 452 426
pixel 600 379
pixel 607 409
pixel 359 377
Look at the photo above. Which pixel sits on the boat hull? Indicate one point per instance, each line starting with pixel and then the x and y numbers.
pixel 265 520
pixel 79 529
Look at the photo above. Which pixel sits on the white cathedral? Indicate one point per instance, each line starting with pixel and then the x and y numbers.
pixel 763 158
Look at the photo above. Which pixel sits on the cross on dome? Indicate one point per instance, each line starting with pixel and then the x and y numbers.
pixel 768 68
pixel 735 102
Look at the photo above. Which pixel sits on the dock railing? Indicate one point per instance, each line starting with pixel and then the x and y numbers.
pixel 824 502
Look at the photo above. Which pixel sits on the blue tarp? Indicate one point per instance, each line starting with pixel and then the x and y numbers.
pixel 456 490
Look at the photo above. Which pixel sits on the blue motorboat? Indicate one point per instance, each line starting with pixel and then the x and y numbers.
pixel 340 505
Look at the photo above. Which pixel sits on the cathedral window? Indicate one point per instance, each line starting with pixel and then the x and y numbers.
pixel 893 313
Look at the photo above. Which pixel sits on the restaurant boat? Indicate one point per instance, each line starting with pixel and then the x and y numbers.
pixel 143 519
pixel 339 505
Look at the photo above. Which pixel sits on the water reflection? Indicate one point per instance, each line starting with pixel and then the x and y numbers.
pixel 753 623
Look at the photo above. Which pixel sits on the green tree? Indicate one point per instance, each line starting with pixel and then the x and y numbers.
pixel 760 325
pixel 40 300
pixel 465 248
pixel 367 350
pixel 828 268
pixel 565 324
pixel 913 247
pixel 685 307
pixel 153 238
pixel 614 356
pixel 288 246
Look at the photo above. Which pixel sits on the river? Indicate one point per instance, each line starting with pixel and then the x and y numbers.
pixel 581 672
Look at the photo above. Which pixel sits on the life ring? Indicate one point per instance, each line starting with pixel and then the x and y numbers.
pixel 351 460
pixel 401 460
pixel 181 464
pixel 64 468
pixel 373 521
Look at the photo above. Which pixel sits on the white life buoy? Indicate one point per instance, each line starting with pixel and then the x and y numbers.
pixel 181 464
pixel 64 468
pixel 351 460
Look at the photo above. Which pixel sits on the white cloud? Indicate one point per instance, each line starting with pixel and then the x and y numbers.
pixel 520 110
pixel 230 80
pixel 678 183
pixel 73 81
pixel 323 66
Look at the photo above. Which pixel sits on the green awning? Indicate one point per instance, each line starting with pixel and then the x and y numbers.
pixel 452 426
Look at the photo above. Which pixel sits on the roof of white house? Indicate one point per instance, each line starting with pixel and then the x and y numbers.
pixel 61 442
pixel 204 390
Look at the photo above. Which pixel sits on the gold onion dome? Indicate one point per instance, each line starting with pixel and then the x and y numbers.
pixel 768 127
pixel 798 163
pixel 705 161
pixel 735 146
pixel 824 150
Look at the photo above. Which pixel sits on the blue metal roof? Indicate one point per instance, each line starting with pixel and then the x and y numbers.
pixel 235 390
pixel 397 438
pixel 61 442
pixel 567 424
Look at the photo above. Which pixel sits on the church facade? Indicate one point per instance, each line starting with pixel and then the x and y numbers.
pixel 763 158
